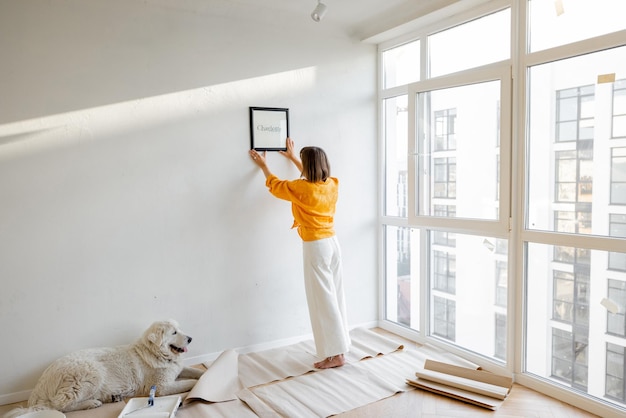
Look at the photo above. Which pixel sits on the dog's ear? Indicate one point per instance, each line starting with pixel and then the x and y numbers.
pixel 154 338
pixel 155 335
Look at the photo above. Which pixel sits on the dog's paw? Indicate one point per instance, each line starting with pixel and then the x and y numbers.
pixel 92 403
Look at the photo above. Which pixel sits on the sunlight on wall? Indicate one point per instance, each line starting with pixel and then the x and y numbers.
pixel 133 115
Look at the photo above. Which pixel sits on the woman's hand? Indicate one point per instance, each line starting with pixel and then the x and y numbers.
pixel 290 153
pixel 258 159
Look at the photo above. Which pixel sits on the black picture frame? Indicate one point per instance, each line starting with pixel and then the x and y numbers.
pixel 269 128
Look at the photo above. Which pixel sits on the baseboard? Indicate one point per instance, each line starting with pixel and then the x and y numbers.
pixel 14 397
pixel 190 361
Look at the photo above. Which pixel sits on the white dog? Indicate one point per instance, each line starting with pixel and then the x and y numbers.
pixel 88 378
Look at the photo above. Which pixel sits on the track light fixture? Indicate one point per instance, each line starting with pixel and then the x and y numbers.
pixel 319 12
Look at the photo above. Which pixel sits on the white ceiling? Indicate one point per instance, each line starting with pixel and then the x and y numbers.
pixel 363 17
pixel 358 18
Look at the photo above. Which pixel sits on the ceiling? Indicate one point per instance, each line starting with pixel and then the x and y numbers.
pixel 364 18
pixel 356 18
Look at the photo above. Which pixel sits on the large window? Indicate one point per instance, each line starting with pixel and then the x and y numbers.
pixel 505 181
pixel 574 194
pixel 457 147
pixel 445 141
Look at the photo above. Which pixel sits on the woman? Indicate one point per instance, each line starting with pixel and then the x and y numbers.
pixel 313 198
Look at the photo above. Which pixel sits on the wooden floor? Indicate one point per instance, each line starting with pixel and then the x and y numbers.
pixel 521 403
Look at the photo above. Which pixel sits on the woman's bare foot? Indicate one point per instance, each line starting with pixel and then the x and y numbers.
pixel 330 362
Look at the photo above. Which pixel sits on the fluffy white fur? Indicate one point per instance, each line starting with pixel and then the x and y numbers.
pixel 88 378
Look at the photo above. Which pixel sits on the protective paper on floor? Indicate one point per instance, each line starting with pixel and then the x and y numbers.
pixel 323 393
pixel 297 359
pixel 107 410
pixel 333 391
pixel 230 409
pixel 220 381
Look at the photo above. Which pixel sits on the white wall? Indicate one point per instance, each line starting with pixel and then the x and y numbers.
pixel 126 191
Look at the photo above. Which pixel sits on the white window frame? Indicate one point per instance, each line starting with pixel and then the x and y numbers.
pixel 512 182
pixel 497 228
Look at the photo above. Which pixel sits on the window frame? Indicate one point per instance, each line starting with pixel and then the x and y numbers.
pixel 516 193
pixel 500 71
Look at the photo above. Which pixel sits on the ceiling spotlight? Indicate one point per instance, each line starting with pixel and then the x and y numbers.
pixel 319 12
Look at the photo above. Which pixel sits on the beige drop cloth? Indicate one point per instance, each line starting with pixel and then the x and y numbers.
pixel 277 381
pixel 333 391
pixel 297 359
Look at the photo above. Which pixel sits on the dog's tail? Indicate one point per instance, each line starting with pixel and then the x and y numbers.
pixel 16 412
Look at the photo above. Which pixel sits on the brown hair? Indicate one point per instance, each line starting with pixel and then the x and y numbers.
pixel 315 165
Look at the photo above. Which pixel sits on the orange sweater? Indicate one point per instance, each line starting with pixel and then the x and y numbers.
pixel 312 204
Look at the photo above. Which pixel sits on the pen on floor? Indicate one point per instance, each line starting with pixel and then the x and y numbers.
pixel 152 393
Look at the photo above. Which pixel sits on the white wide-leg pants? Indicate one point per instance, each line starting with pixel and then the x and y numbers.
pixel 323 281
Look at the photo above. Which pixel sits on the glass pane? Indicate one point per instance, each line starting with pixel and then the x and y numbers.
pixel 617 228
pixel 468 290
pixel 463 47
pixel 618 176
pixel 460 160
pixel 554 23
pixel 619 126
pixel 402 276
pixel 396 125
pixel 401 65
pixel 615 320
pixel 573 166
pixel 619 108
pixel 614 371
pixel 619 97
pixel 565 295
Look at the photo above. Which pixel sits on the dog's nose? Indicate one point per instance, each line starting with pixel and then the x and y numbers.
pixel 188 340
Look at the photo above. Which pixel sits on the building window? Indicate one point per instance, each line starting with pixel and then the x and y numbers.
pixel 617 228
pixel 575 114
pixel 571 298
pixel 574 222
pixel 444 178
pixel 569 358
pixel 615 321
pixel 444 318
pixel 571 255
pixel 501 285
pixel 444 272
pixel 618 176
pixel 619 108
pixel 444 137
pixel 574 176
pixel 447 239
pixel 500 341
pixel 615 386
